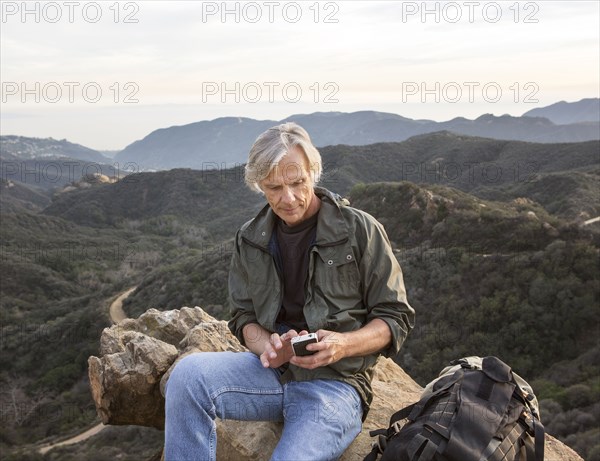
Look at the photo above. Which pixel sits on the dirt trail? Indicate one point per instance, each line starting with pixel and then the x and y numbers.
pixel 116 314
pixel 78 438
pixel 116 311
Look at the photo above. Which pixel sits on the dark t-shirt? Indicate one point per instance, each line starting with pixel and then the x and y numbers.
pixel 294 244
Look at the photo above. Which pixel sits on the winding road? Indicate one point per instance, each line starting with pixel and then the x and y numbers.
pixel 78 438
pixel 116 314
pixel 116 311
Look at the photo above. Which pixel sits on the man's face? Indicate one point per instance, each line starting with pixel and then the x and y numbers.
pixel 289 188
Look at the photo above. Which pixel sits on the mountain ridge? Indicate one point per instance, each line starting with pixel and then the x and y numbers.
pixel 464 162
pixel 28 148
pixel 563 112
pixel 226 140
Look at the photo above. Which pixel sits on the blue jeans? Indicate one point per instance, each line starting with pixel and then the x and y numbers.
pixel 321 417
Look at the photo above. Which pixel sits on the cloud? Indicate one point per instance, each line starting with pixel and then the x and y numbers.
pixel 369 49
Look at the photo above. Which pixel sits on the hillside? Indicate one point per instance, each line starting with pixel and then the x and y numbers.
pixel 226 141
pixel 164 200
pixel 464 162
pixel 442 217
pixel 54 276
pixel 586 110
pixel 23 148
pixel 15 196
pixel 57 280
pixel 53 174
pixel 574 195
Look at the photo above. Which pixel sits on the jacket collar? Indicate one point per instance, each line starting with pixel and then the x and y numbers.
pixel 331 226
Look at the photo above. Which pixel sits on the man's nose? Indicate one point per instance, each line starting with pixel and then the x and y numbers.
pixel 288 195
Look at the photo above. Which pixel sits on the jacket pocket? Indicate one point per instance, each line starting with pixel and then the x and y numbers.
pixel 336 283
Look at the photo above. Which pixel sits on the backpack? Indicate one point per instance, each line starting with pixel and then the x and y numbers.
pixel 476 410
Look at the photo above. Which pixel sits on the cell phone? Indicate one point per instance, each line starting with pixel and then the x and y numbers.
pixel 299 344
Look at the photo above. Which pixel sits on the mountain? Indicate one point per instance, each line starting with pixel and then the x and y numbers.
pixel 52 174
pixel 573 195
pixel 523 129
pixel 49 165
pixel 359 128
pixel 563 113
pixel 163 202
pixel 22 148
pixel 200 145
pixel 463 162
pixel 197 197
pixel 442 217
pixel 226 141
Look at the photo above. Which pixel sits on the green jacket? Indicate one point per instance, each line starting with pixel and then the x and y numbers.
pixel 353 278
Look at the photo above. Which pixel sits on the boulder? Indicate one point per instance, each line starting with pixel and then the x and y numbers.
pixel 128 380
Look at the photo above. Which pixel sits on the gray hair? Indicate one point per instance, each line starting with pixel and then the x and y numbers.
pixel 270 147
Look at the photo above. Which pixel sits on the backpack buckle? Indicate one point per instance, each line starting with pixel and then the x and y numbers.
pixel 394 429
pixel 527 418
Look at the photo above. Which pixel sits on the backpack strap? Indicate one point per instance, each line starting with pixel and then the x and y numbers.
pixel 401 414
pixel 421 448
pixel 490 390
pixel 425 445
pixel 534 424
pixel 539 440
pixel 375 451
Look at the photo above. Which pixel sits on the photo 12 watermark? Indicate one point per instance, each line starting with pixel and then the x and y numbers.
pixel 16 334
pixel 471 92
pixel 269 92
pixel 17 408
pixel 270 12
pixel 69 12
pixel 63 172
pixel 470 12
pixel 69 92
pixel 474 252
pixel 71 252
pixel 448 172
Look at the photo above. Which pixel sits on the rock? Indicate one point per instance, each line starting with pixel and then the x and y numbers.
pixel 125 384
pixel 550 230
pixel 138 355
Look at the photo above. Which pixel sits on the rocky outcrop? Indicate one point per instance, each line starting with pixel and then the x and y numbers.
pixel 138 354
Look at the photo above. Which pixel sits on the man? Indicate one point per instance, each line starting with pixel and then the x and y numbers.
pixel 306 263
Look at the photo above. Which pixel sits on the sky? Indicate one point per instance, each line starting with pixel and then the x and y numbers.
pixel 105 74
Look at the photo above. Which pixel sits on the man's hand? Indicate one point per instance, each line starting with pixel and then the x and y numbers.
pixel 330 348
pixel 334 346
pixel 272 349
pixel 278 350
